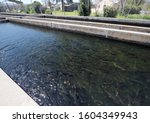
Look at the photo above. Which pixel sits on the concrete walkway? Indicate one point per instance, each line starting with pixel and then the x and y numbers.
pixel 11 94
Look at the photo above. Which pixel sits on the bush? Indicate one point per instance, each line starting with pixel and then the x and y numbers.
pixel 31 11
pixel 48 11
pixel 42 9
pixel 110 12
pixel 36 6
pixel 132 10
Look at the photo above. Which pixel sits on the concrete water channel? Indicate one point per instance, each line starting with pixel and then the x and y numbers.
pixel 55 67
pixel 128 31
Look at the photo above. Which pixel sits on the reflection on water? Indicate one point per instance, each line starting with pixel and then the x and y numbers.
pixel 58 68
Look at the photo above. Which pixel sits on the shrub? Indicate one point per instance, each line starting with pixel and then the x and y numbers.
pixel 48 11
pixel 42 9
pixel 110 12
pixel 132 10
pixel 36 6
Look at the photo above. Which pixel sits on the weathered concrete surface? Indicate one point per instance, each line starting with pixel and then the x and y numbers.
pixel 134 22
pixel 11 94
pixel 96 24
pixel 122 35
pixel 3 20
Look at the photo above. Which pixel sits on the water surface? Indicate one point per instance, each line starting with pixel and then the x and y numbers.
pixel 59 68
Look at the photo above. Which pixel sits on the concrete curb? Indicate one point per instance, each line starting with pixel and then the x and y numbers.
pixel 11 94
pixel 3 20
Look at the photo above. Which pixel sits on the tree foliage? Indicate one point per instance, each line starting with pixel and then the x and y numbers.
pixel 130 6
pixel 110 12
pixel 16 1
pixel 132 10
pixel 69 1
pixel 85 8
pixel 29 9
pixel 35 7
pixel 1 7
pixel 48 11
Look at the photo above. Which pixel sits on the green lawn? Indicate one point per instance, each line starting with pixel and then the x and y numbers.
pixel 135 16
pixel 74 13
pixel 130 16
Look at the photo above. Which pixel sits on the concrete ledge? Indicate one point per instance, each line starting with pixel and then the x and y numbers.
pixel 134 22
pixel 11 94
pixel 3 20
pixel 122 35
pixel 96 24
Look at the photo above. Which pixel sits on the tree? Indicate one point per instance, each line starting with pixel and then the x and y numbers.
pixel 139 2
pixel 122 5
pixel 16 1
pixel 97 6
pixel 62 2
pixel 47 2
pixel 37 6
pixel 85 8
pixel 110 11
pixel 1 7
pixel 29 9
pixel 146 6
pixel 130 6
pixel 19 4
pixel 8 8
pixel 69 1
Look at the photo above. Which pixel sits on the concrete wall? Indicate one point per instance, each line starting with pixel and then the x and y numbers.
pixel 121 32
pixel 121 35
pixel 134 22
pixel 96 24
pixel 2 21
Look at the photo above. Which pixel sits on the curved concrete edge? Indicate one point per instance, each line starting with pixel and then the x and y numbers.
pixel 11 94
pixel 122 35
pixel 3 20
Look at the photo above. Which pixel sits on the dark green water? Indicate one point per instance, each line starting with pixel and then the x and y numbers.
pixel 59 68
